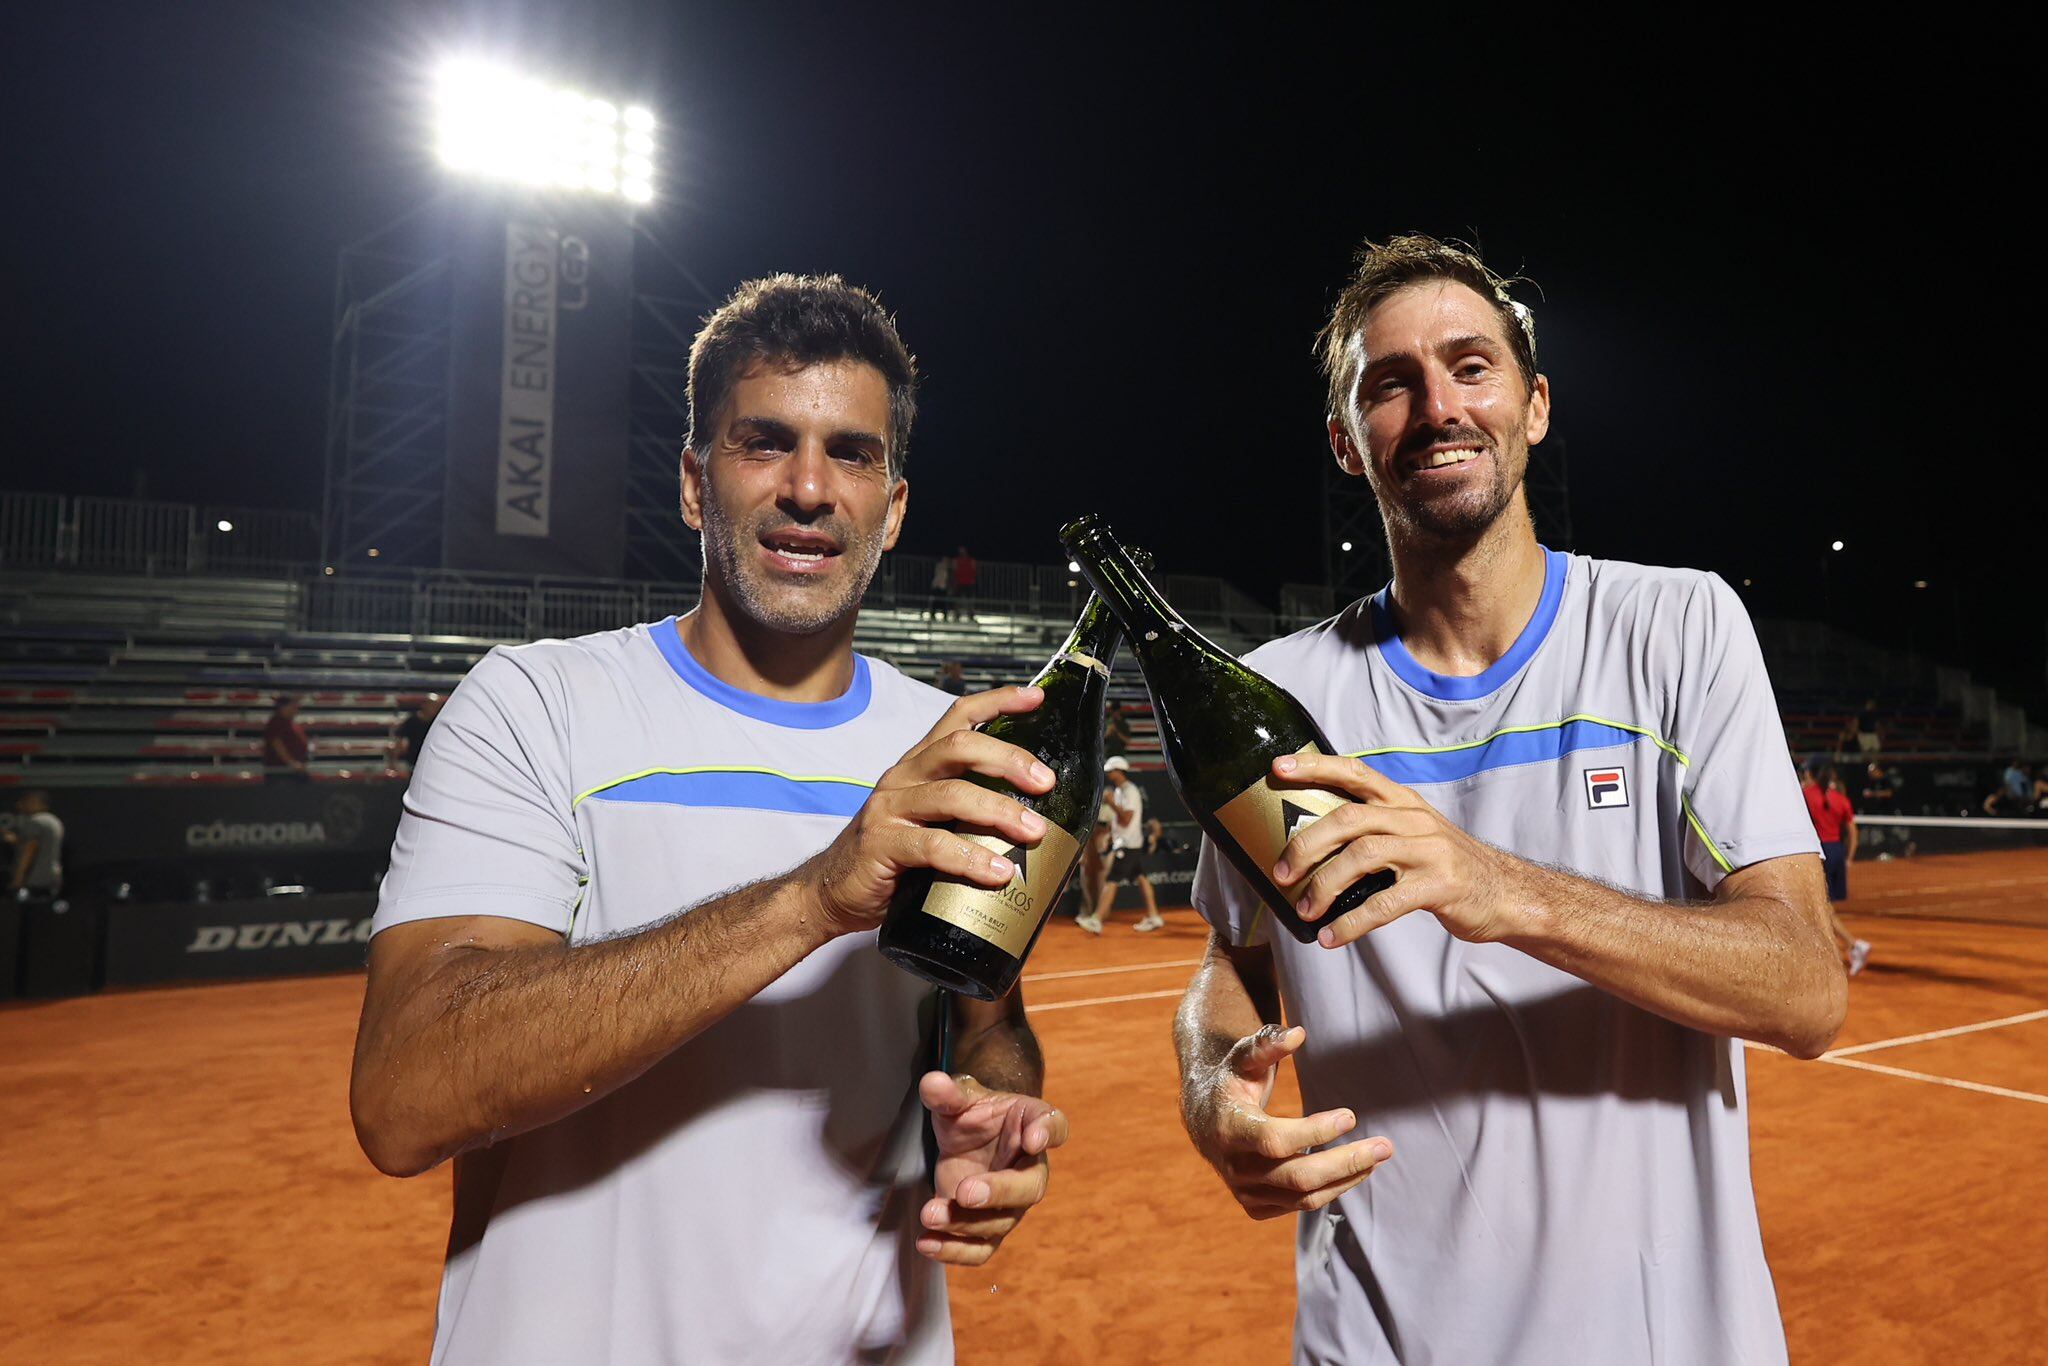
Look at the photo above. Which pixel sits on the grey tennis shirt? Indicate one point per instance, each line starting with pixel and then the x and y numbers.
pixel 1571 1173
pixel 754 1196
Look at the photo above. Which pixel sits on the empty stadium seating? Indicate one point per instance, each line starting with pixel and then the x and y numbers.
pixel 129 679
pixel 97 704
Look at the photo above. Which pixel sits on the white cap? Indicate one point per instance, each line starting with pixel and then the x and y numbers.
pixel 1116 763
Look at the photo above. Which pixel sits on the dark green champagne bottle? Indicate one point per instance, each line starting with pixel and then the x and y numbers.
pixel 973 939
pixel 1222 726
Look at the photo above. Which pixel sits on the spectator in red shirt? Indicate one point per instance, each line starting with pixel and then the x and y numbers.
pixel 1833 818
pixel 285 748
pixel 965 572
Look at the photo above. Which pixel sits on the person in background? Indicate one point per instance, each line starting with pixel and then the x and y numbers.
pixel 2013 794
pixel 939 605
pixel 1126 803
pixel 1094 861
pixel 1861 735
pixel 1834 822
pixel 1883 794
pixel 412 731
pixel 38 843
pixel 1880 790
pixel 952 679
pixel 1116 732
pixel 285 747
pixel 965 573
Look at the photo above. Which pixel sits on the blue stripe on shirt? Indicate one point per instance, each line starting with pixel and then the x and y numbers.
pixel 1501 751
pixel 751 790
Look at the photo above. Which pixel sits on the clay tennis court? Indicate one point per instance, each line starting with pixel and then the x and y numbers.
pixel 181 1184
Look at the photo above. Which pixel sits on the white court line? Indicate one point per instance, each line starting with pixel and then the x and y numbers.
pixel 1102 1001
pixel 1944 889
pixel 1928 1076
pixel 1901 1042
pixel 1103 972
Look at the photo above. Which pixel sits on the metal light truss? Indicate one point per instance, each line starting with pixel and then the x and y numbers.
pixel 387 407
pixel 1351 514
pixel 1550 501
pixel 658 544
pixel 387 427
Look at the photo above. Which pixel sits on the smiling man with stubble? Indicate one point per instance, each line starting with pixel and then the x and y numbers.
pixel 623 969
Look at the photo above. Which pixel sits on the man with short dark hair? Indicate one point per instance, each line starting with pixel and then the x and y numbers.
pixel 1604 877
pixel 624 963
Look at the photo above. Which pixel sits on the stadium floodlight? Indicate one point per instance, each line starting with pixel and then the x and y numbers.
pixel 1345 547
pixel 495 123
pixel 1073 566
pixel 1919 583
pixel 223 525
pixel 1837 545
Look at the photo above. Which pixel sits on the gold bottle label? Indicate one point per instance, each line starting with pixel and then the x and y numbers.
pixel 1263 818
pixel 1007 916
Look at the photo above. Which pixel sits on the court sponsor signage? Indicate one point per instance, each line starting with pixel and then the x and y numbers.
pixel 526 404
pixel 123 827
pixel 539 371
pixel 261 937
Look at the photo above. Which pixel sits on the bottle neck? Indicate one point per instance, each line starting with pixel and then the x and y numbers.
pixel 1145 614
pixel 1091 645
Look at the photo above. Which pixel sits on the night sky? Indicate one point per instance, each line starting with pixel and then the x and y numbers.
pixel 1776 282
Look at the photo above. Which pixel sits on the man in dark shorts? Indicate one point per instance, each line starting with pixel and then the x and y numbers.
pixel 1124 802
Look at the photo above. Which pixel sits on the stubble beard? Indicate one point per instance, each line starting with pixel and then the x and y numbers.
pixel 1463 517
pixel 794 607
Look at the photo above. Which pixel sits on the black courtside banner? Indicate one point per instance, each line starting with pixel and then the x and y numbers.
pixel 537 404
pixel 184 825
pixel 265 937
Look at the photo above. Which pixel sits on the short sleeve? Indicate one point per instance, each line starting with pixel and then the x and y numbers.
pixel 1227 901
pixel 488 826
pixel 1742 802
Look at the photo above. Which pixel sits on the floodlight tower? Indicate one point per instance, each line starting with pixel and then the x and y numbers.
pixel 480 394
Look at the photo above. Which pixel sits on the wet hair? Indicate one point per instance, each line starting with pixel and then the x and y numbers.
pixel 799 320
pixel 1382 269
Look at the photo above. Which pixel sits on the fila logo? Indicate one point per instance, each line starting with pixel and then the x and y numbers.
pixel 1606 787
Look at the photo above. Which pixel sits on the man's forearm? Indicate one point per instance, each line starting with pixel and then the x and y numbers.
pixel 1220 1008
pixel 1747 967
pixel 484 1043
pixel 1002 1053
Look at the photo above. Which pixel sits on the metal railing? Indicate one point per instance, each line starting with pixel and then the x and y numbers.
pixel 135 536
pixel 126 535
